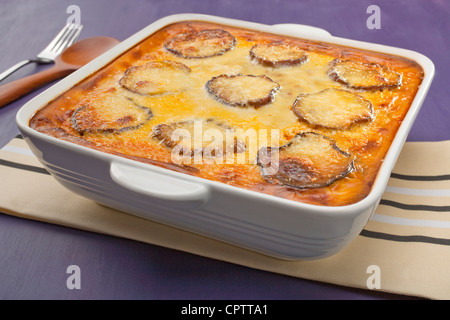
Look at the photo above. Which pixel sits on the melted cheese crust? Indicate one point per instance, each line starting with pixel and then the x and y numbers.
pixel 366 142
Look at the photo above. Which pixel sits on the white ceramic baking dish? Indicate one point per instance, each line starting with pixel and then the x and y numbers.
pixel 267 224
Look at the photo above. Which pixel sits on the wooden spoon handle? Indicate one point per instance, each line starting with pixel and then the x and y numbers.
pixel 16 89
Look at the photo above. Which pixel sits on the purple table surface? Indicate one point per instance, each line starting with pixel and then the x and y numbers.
pixel 34 256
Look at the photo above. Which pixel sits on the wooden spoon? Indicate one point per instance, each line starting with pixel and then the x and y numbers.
pixel 71 59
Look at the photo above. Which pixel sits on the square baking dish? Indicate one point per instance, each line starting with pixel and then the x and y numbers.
pixel 263 223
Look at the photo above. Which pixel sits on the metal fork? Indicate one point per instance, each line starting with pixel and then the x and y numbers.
pixel 65 38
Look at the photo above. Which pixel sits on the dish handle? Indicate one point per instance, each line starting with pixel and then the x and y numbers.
pixel 302 28
pixel 172 191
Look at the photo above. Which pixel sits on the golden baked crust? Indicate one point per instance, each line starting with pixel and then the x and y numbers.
pixel 136 132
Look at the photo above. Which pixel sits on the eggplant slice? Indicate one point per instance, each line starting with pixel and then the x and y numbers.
pixel 363 76
pixel 115 114
pixel 243 90
pixel 309 160
pixel 213 140
pixel 201 44
pixel 156 77
pixel 277 55
pixel 333 108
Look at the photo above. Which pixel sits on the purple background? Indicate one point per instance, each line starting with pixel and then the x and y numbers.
pixel 34 255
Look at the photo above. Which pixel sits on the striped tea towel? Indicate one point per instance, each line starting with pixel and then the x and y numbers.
pixel 404 249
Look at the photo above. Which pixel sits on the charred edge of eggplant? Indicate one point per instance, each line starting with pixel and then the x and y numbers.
pixel 273 179
pixel 315 125
pixel 179 65
pixel 334 75
pixel 256 103
pixel 163 132
pixel 332 141
pixel 108 130
pixel 278 63
pixel 121 80
pixel 195 34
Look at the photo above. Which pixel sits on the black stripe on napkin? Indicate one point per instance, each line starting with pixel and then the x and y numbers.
pixel 397 238
pixel 416 207
pixel 420 178
pixel 23 166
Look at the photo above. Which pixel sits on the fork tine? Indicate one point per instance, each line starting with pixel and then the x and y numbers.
pixel 75 36
pixel 58 37
pixel 68 38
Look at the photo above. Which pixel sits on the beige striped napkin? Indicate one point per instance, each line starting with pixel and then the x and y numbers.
pixel 404 249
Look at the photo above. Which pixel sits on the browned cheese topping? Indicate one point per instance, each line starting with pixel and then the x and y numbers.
pixel 333 108
pixel 156 77
pixel 243 90
pixel 201 44
pixel 277 55
pixel 309 160
pixel 366 76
